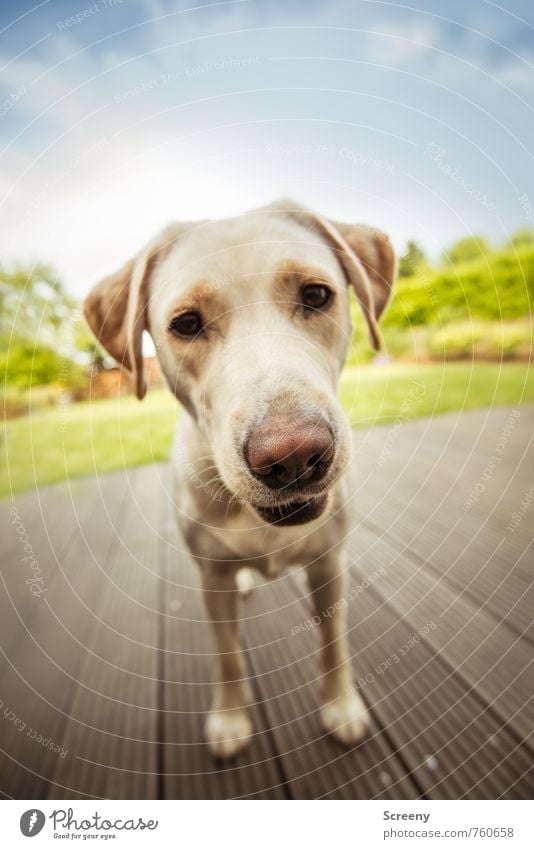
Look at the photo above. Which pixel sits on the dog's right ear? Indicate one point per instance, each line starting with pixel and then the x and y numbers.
pixel 353 268
pixel 116 309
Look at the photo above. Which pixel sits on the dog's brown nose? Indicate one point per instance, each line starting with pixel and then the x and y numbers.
pixel 281 452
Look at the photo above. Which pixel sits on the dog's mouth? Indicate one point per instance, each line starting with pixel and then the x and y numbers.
pixel 294 513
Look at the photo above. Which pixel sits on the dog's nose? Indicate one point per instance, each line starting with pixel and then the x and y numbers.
pixel 281 452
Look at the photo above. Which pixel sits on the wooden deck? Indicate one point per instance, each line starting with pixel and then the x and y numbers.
pixel 112 662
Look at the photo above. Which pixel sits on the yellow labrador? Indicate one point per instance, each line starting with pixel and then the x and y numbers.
pixel 250 320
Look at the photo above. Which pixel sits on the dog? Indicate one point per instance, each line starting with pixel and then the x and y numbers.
pixel 251 324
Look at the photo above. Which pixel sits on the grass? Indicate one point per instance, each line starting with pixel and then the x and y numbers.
pixel 375 396
pixel 90 438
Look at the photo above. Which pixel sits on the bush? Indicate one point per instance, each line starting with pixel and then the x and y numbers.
pixel 25 364
pixel 466 250
pixel 480 340
pixel 399 343
pixel 506 342
pixel 456 342
pixel 500 286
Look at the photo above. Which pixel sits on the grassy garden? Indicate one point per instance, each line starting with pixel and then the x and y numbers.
pixel 94 437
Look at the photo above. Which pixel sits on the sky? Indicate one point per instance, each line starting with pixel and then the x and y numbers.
pixel 119 116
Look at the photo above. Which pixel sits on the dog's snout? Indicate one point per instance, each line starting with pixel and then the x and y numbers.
pixel 282 452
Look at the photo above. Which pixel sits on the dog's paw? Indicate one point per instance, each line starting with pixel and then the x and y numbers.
pixel 228 731
pixel 245 582
pixel 346 718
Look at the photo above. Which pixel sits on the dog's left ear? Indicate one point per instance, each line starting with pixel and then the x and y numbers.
pixel 365 255
pixel 375 251
pixel 116 309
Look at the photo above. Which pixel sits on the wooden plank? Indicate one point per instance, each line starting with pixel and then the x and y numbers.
pixel 487 657
pixel 40 675
pixel 454 461
pixel 418 506
pixel 448 741
pixel 287 674
pixel 490 569
pixel 436 724
pixel 112 730
pixel 37 529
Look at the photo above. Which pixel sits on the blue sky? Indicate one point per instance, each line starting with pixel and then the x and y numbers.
pixel 116 117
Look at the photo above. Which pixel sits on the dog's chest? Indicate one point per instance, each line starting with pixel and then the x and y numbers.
pixel 270 550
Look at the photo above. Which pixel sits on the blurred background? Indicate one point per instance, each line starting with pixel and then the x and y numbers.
pixel 117 117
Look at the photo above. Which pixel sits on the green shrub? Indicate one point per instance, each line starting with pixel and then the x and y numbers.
pixel 498 287
pixel 399 343
pixel 466 250
pixel 25 364
pixel 456 342
pixel 506 342
pixel 480 340
pixel 17 401
pixel 360 349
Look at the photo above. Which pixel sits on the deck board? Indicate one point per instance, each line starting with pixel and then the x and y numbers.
pixel 112 729
pixel 40 675
pixel 114 662
pixel 287 671
pixel 483 650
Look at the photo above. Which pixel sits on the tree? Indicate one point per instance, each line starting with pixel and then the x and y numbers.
pixel 25 364
pixel 412 261
pixel 38 329
pixel 33 303
pixel 523 238
pixel 466 250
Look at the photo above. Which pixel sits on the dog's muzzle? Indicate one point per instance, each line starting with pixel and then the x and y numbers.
pixel 294 513
pixel 289 455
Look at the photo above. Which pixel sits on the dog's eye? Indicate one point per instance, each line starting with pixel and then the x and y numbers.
pixel 315 296
pixel 187 324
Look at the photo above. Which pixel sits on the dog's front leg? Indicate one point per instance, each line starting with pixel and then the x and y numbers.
pixel 228 727
pixel 343 712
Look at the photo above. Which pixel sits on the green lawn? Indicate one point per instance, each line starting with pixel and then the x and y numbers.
pixel 83 439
